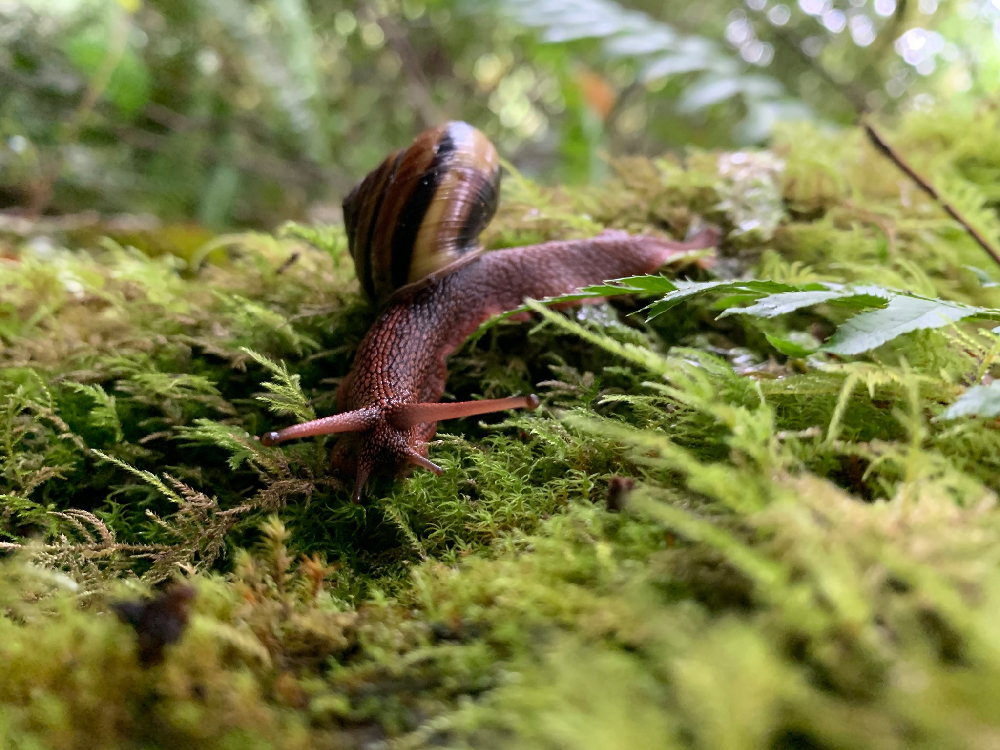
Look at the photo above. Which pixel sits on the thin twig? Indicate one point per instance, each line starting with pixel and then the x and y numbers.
pixel 850 92
pixel 924 184
pixel 288 263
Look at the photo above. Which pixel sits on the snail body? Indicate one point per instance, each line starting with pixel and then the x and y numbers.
pixel 413 226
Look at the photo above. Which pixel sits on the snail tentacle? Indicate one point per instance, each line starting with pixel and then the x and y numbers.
pixel 409 415
pixel 351 421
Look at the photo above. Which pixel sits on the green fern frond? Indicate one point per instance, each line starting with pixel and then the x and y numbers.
pixel 286 392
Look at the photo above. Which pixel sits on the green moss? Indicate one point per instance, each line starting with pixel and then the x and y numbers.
pixel 809 559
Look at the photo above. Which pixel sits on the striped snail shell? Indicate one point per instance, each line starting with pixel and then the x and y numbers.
pixel 420 213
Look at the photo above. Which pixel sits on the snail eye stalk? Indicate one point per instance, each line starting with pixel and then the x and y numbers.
pixel 413 414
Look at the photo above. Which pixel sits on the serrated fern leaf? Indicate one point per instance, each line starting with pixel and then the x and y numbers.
pixel 978 401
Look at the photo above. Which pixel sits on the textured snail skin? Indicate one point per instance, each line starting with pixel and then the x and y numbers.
pixel 401 361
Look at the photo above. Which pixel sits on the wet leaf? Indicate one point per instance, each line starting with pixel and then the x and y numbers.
pixel 978 401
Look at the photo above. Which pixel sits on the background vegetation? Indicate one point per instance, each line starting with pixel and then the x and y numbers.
pixel 759 513
pixel 241 113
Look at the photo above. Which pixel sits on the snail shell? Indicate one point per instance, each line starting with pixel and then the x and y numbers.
pixel 419 214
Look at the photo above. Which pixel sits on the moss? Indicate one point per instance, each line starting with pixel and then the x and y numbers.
pixel 808 558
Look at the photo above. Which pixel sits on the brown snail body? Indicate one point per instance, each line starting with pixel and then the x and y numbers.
pixel 437 195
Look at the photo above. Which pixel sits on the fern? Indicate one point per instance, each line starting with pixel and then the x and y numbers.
pixel 899 312
pixel 661 51
pixel 104 413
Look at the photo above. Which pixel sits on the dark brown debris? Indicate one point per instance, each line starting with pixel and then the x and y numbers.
pixel 158 621
pixel 618 492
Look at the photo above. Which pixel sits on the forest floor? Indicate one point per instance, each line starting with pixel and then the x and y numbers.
pixel 809 558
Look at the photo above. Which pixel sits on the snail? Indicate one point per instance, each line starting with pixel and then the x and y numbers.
pixel 413 228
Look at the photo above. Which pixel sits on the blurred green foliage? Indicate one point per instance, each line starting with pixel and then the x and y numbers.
pixel 809 556
pixel 243 113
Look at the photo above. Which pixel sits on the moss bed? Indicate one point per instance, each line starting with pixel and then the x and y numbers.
pixel 810 557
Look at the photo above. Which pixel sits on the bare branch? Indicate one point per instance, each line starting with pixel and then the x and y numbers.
pixel 924 184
